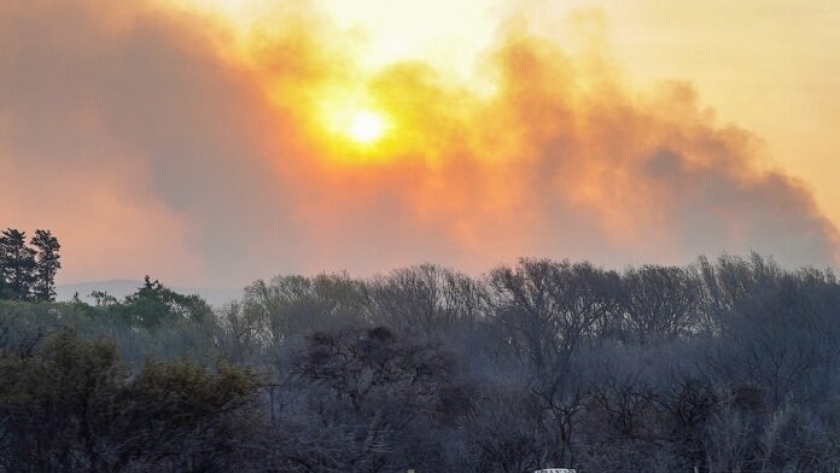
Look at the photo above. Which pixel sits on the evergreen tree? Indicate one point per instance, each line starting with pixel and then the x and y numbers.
pixel 154 305
pixel 17 262
pixel 47 264
pixel 5 293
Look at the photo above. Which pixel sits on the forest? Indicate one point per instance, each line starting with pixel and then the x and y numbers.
pixel 724 365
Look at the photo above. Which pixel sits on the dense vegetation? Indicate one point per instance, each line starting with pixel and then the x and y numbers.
pixel 720 366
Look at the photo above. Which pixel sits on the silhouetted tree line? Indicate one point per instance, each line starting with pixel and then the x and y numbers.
pixel 28 270
pixel 720 366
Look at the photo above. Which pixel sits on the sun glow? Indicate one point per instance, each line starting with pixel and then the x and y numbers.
pixel 353 130
pixel 366 126
pixel 354 122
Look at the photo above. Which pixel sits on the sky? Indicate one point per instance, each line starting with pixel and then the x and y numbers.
pixel 217 142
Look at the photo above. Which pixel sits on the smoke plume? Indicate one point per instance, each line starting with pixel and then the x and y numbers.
pixel 150 140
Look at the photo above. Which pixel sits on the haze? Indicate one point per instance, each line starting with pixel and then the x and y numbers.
pixel 199 143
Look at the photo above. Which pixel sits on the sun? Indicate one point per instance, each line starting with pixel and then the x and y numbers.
pixel 366 126
pixel 356 128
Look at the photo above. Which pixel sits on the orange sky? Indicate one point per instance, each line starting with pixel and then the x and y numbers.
pixel 214 143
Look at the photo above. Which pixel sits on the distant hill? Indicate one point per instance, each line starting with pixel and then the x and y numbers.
pixel 120 288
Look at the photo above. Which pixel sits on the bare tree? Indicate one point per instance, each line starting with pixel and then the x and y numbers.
pixel 426 300
pixel 660 302
pixel 546 309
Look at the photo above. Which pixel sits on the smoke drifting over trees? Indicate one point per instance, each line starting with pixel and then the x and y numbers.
pixel 725 365
pixel 174 148
pixel 149 118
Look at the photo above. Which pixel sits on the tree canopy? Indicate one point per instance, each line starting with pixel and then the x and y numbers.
pixel 718 366
pixel 28 270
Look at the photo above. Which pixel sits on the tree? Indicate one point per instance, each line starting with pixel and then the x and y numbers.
pixel 5 292
pixel 546 309
pixel 370 401
pixel 290 306
pixel 154 305
pixel 426 300
pixel 17 262
pixel 72 405
pixel 660 302
pixel 47 264
pixel 503 434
